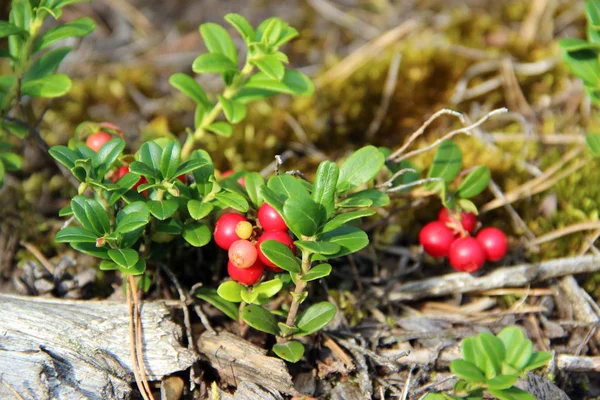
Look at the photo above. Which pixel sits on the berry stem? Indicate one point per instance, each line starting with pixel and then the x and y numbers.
pixel 300 286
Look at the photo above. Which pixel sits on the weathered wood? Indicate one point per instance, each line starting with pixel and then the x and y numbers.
pixel 70 349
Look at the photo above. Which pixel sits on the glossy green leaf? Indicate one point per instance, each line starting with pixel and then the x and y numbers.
pixel 303 215
pixel 163 209
pixel 73 234
pixel 324 248
pixel 49 86
pixel 230 291
pixel 232 199
pixel 220 128
pixel 467 371
pixel 267 289
pixel 197 234
pixel 90 214
pixel 150 154
pixel 272 198
pixel 65 212
pixel 343 218
pixel 281 255
pixel 349 238
pixel 317 272
pixel 199 210
pixel 171 227
pixel 213 63
pixel 270 33
pixel 592 12
pixel 134 216
pixel 293 82
pixel 249 95
pixel 108 154
pixel 538 359
pixel 324 186
pixel 253 181
pixel 139 168
pixel 581 61
pixel 518 348
pixel 502 381
pixel 360 167
pixel 315 318
pixel 91 249
pixel 218 41
pixel 20 16
pixel 188 86
pixel 192 166
pixel 8 29
pixel 242 25
pixel 447 162
pixel 211 296
pixel 355 202
pixel 493 351
pixel 289 351
pixel 358 199
pixel 286 186
pixel 76 28
pixel 107 265
pixel 593 142
pixel 467 206
pixel 169 160
pixel 260 319
pixel 11 161
pixel 126 258
pixel 271 66
pixel 512 393
pixel 234 111
pixel 573 45
pixel 475 183
pixel 46 64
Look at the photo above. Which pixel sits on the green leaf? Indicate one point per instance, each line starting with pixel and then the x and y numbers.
pixel 213 63
pixel 446 163
pixel 315 318
pixel 349 238
pixel 11 161
pixel 220 128
pixel 77 28
pixel 593 142
pixel 324 186
pixel 20 16
pixel 273 199
pixel 197 234
pixel 474 183
pixel 270 33
pixel 286 186
pixel 512 393
pixel 323 248
pixel 518 348
pixel 126 258
pixel 218 41
pixel 211 296
pixel 171 227
pixel 169 160
pixel 108 154
pixel 191 166
pixel 253 181
pixel 281 255
pixel 343 218
pixel 360 167
pixel 139 168
pixel 267 289
pixel 271 66
pixel 46 64
pixel 581 61
pixel 303 215
pixel 289 351
pixel 8 29
pixel 249 95
pixel 232 199
pixel 235 111
pixel 467 371
pixel 199 210
pixel 260 319
pixel 467 206
pixel 91 215
pixel 538 359
pixel 150 154
pixel 317 272
pixel 573 45
pixel 293 82
pixel 134 216
pixel 107 265
pixel 242 25
pixel 230 291
pixel 592 11
pixel 73 234
pixel 91 249
pixel 359 199
pixel 493 351
pixel 188 86
pixel 502 381
pixel 163 209
pixel 65 211
pixel 49 86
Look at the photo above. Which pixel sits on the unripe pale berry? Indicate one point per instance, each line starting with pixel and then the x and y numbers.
pixel 466 254
pixel 246 276
pixel 468 220
pixel 243 229
pixel 242 254
pixel 436 238
pixel 279 236
pixel 96 140
pixel 270 219
pixel 494 243
pixel 225 229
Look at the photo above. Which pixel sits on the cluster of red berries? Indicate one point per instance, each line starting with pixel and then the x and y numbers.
pixel 236 234
pixel 451 236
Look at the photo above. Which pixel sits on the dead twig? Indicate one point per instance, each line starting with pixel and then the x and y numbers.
pixel 386 97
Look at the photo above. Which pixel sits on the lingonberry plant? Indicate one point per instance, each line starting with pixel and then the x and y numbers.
pixel 491 365
pixel 33 62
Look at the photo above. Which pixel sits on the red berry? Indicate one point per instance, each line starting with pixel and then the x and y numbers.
pixel 270 219
pixel 494 243
pixel 242 253
pixel 468 220
pixel 119 173
pixel 242 182
pixel 227 173
pixel 183 179
pixel 142 181
pixel 225 229
pixel 436 238
pixel 96 140
pixel 466 254
pixel 246 276
pixel 279 236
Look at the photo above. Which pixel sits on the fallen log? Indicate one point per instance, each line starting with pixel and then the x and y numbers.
pixel 51 348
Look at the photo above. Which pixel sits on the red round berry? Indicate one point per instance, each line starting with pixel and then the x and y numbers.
pixel 96 140
pixel 279 236
pixel 227 173
pixel 246 276
pixel 242 253
pixel 270 219
pixel 466 254
pixel 225 229
pixel 436 238
pixel 119 173
pixel 183 179
pixel 468 220
pixel 494 243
